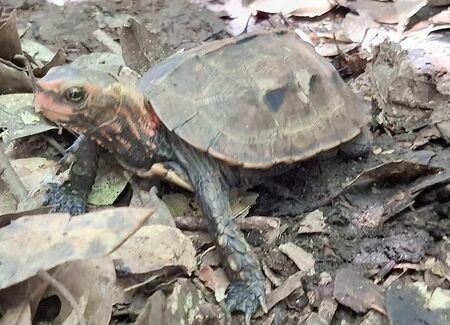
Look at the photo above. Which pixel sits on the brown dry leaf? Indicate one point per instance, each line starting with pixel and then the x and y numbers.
pixel 109 182
pixel 20 315
pixel 13 79
pixel 355 26
pixel 285 289
pixel 34 171
pixel 294 7
pixel 5 219
pixel 141 49
pixel 18 117
pixel 234 9
pixel 9 37
pixel 441 18
pixel 18 301
pixel 313 222
pixel 409 101
pixel 182 306
pixel 394 171
pixel 145 198
pixel 58 59
pixel 304 260
pixel 153 248
pixel 388 12
pixel 327 309
pixel 216 280
pixel 351 289
pixel 91 284
pixel 329 48
pixel 42 242
pixel 425 135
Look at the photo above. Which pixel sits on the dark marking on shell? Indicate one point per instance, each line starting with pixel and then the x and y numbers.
pixel 274 98
pixel 314 81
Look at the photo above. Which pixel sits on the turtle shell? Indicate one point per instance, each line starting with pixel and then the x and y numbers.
pixel 256 100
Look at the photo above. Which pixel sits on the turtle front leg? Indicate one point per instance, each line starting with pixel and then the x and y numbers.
pixel 246 291
pixel 71 196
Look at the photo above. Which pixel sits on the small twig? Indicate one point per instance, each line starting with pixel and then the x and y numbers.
pixel 107 40
pixel 44 275
pixel 250 223
pixel 54 144
pixel 9 176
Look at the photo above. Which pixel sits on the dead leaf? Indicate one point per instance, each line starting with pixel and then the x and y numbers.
pixel 216 280
pixel 9 37
pixel 327 309
pixel 150 199
pixel 328 48
pixel 238 13
pixel 294 7
pixel 58 59
pixel 91 283
pixel 304 260
pixel 441 18
pixel 17 115
pixel 386 11
pixel 5 219
pixel 153 248
pixel 398 171
pixel 109 183
pixel 20 315
pixel 182 306
pixel 13 79
pixel 141 49
pixel 313 222
pixel 54 239
pixel 440 299
pixel 285 289
pixel 351 289
pixel 355 26
pixel 35 171
pixel 425 135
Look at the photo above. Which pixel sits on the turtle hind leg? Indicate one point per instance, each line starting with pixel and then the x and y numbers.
pixel 246 291
pixel 71 196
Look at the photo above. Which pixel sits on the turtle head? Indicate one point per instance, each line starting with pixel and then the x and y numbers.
pixel 94 103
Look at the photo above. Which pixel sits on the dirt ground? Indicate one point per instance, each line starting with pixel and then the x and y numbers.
pixel 384 215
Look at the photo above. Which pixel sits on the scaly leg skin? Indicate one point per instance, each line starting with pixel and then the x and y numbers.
pixel 71 196
pixel 246 291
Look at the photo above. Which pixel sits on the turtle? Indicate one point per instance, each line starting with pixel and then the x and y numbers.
pixel 224 114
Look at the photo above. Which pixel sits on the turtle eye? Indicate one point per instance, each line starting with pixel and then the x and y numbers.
pixel 75 94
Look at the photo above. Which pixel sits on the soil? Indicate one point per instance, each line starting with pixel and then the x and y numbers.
pixel 404 237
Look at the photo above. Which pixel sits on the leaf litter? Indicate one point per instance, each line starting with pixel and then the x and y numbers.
pixel 384 213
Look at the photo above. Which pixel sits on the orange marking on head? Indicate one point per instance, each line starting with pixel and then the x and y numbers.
pixel 156 122
pixel 50 109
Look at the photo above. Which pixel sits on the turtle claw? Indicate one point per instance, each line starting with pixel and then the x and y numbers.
pixel 246 297
pixel 65 200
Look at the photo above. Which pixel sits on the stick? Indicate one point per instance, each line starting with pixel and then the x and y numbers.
pixel 9 176
pixel 250 223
